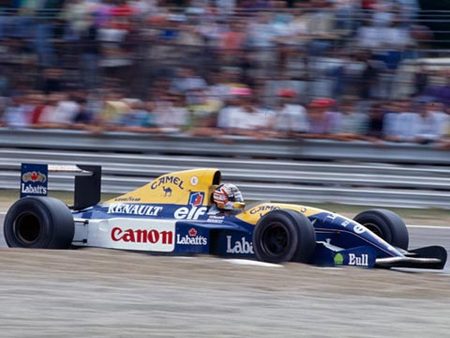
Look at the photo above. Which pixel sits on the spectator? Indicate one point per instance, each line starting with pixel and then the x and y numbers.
pixel 233 40
pixel 90 56
pixel 370 74
pixel 188 82
pixel 225 7
pixel 443 119
pixel 445 142
pixel 262 41
pixel 113 108
pixel 420 80
pixel 84 116
pixel 4 82
pixel 368 36
pixel 243 116
pixel 116 61
pixel 171 113
pixel 321 119
pixel 17 113
pixel 60 112
pixel 53 80
pixel 138 118
pixel 136 44
pixel 403 125
pixel 375 122
pixel 121 14
pixel 77 14
pixel 38 102
pixel 351 124
pixel 290 117
pixel 391 122
pixel 439 90
pixel 321 27
pixel 428 128
pixel 45 117
pixel 346 15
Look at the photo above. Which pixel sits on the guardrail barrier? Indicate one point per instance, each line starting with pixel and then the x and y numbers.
pixel 401 175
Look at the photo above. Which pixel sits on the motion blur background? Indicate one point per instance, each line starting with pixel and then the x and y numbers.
pixel 366 82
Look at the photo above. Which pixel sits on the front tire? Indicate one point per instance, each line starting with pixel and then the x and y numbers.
pixel 283 236
pixel 39 222
pixel 387 225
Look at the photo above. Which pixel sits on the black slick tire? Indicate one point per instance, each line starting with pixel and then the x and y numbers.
pixel 39 222
pixel 283 236
pixel 387 225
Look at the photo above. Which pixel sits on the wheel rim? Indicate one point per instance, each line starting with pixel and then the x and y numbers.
pixel 375 229
pixel 27 227
pixel 275 240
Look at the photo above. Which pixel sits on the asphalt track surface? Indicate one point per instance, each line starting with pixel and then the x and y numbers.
pixel 106 293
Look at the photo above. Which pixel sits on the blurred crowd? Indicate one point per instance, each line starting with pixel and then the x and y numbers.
pixel 261 68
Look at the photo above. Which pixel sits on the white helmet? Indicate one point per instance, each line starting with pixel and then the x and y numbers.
pixel 228 197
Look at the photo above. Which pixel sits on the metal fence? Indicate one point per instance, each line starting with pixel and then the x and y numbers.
pixel 309 171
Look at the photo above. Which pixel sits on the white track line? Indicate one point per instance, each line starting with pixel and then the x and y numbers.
pixel 254 263
pixel 443 227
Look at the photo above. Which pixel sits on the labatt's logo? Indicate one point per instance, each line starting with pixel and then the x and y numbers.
pixel 29 189
pixel 239 247
pixel 192 238
pixel 152 236
pixel 34 176
pixel 167 180
pixel 31 183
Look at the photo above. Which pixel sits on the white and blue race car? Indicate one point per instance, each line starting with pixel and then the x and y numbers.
pixel 173 214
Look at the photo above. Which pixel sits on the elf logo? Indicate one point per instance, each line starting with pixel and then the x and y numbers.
pixel 189 213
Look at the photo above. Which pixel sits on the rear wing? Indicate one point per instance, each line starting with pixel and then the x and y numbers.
pixel 87 189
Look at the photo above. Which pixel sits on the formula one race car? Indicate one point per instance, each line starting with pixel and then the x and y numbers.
pixel 173 214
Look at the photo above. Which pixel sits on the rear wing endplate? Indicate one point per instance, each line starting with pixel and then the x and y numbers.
pixel 87 190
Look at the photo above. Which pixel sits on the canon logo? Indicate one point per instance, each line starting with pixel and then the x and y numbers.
pixel 152 236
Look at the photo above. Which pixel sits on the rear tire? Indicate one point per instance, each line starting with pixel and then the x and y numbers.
pixel 283 236
pixel 387 225
pixel 39 222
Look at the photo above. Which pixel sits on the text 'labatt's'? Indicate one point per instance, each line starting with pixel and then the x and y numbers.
pixel 192 238
pixel 241 246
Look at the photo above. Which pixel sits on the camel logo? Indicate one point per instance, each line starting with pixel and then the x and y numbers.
pixel 167 184
pixel 167 191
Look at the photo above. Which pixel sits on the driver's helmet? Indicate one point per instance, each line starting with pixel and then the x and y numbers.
pixel 228 197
